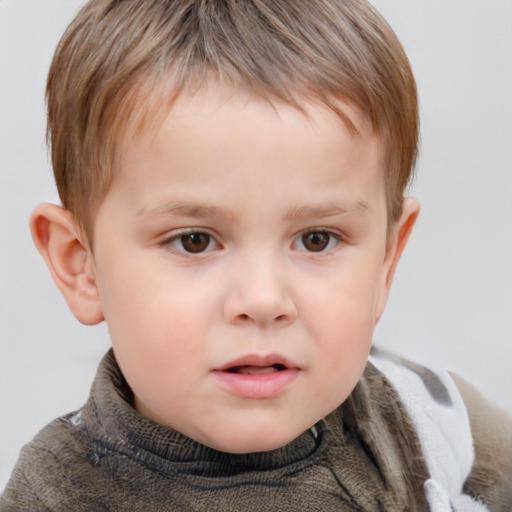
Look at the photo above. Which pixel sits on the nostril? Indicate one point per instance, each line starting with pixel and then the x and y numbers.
pixel 244 317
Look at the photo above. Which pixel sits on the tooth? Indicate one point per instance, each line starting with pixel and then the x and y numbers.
pixel 256 370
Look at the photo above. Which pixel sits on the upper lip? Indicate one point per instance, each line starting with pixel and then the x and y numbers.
pixel 259 360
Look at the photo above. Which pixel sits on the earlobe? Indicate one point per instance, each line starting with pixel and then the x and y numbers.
pixel 69 260
pixel 397 242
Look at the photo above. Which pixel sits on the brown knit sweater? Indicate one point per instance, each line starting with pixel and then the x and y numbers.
pixel 107 457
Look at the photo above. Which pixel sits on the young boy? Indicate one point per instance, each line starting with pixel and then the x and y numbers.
pixel 232 178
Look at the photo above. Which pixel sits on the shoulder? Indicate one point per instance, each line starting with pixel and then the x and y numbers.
pixel 442 410
pixel 491 475
pixel 46 468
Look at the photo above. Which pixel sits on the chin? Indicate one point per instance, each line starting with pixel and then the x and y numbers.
pixel 251 442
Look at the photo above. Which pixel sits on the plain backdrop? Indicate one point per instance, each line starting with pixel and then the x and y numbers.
pixel 451 303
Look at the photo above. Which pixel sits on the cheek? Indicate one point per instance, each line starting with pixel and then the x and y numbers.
pixel 152 315
pixel 346 300
pixel 344 339
pixel 341 317
pixel 158 338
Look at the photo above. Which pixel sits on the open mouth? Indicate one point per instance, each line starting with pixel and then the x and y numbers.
pixel 256 370
pixel 256 377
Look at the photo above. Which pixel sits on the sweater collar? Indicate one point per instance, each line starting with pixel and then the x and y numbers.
pixel 116 422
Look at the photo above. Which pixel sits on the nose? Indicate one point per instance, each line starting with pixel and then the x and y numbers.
pixel 259 294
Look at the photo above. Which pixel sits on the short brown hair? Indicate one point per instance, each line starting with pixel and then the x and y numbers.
pixel 121 61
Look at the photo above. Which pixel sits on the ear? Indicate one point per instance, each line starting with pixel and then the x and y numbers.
pixel 396 244
pixel 69 260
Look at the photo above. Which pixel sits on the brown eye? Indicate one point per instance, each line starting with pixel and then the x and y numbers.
pixel 195 242
pixel 316 241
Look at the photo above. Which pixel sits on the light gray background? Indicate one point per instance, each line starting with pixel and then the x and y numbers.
pixel 452 298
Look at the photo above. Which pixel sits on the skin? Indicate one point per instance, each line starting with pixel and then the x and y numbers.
pixel 243 183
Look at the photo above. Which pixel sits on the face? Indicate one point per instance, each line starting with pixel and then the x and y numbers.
pixel 241 263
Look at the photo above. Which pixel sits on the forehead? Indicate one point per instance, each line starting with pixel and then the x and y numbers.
pixel 154 105
pixel 234 140
pixel 218 119
pixel 242 160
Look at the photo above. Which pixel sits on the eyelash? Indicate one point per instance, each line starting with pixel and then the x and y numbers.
pixel 178 238
pixel 333 240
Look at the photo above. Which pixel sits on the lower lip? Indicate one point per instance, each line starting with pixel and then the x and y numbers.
pixel 259 386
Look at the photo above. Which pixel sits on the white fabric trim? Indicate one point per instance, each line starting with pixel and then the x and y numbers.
pixel 444 433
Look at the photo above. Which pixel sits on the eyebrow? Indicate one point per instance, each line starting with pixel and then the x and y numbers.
pixel 326 210
pixel 205 211
pixel 196 211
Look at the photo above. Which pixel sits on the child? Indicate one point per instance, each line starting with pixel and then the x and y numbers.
pixel 232 179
